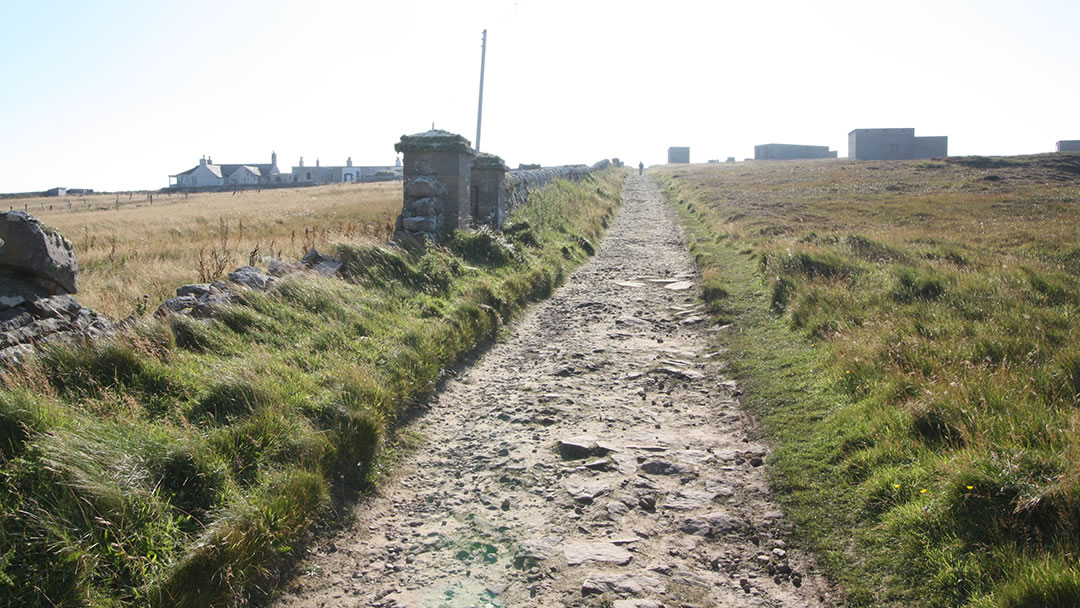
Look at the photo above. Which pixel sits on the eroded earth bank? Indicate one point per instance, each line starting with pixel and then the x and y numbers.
pixel 597 456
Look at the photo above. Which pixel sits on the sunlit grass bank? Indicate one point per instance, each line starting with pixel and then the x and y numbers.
pixel 908 334
pixel 184 463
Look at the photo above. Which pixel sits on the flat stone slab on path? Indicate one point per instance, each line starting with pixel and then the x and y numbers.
pixel 596 552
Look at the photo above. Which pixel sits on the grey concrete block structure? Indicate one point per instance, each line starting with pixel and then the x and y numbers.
pixel 894 144
pixel 678 155
pixel 791 152
pixel 1068 145
pixel 488 183
pixel 437 172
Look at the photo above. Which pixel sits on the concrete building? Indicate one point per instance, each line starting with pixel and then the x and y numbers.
pixel 1068 145
pixel 678 155
pixel 791 152
pixel 207 173
pixel 894 144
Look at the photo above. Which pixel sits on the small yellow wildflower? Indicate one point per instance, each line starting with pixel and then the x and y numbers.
pixel 922 491
pixel 971 487
pixel 896 485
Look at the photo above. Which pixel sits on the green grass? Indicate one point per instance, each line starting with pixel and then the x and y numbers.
pixel 907 333
pixel 184 462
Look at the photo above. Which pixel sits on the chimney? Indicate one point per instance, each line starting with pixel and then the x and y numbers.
pixel 273 159
pixel 202 161
pixel 348 162
pixel 301 161
pixel 316 161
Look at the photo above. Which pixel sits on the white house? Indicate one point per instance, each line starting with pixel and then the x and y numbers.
pixel 206 173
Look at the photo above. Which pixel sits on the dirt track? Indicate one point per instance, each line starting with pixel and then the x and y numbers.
pixel 597 454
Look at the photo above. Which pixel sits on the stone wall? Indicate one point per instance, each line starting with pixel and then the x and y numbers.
pixel 520 181
pixel 38 275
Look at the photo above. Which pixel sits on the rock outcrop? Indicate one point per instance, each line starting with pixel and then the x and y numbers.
pixel 37 254
pixel 202 300
pixel 38 274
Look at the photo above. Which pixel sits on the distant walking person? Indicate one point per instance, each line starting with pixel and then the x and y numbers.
pixel 641 168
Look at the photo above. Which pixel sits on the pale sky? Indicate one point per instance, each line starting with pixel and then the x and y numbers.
pixel 117 95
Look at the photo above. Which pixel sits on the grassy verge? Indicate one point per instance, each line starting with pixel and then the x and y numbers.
pixel 907 334
pixel 182 463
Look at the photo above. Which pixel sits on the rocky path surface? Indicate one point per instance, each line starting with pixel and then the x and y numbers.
pixel 596 457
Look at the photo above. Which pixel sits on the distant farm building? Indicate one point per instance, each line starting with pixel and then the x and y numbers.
pixel 1068 145
pixel 338 175
pixel 206 173
pixel 678 155
pixel 894 144
pixel 791 152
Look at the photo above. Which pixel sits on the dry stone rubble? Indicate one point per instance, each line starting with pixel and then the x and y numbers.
pixel 38 275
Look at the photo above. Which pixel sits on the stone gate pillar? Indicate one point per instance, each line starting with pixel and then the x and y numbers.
pixel 489 190
pixel 437 167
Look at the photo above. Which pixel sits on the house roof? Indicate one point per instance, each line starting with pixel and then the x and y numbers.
pixel 227 170
pixel 264 169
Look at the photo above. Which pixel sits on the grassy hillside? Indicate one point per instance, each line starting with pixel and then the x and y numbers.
pixel 184 463
pixel 908 334
pixel 137 248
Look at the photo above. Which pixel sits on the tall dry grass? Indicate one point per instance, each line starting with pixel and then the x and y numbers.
pixel 133 253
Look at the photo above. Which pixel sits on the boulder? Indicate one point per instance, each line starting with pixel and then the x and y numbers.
pixel 419 224
pixel 28 319
pixel 37 252
pixel 323 264
pixel 197 290
pixel 252 277
pixel 15 292
pixel 277 268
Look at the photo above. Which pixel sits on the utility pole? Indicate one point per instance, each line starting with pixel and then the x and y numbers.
pixel 480 105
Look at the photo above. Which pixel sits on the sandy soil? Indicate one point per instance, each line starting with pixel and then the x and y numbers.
pixel 597 456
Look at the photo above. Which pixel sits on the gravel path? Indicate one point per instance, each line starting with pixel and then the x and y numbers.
pixel 596 457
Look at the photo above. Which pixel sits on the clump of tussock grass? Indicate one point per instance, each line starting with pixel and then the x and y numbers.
pixel 484 246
